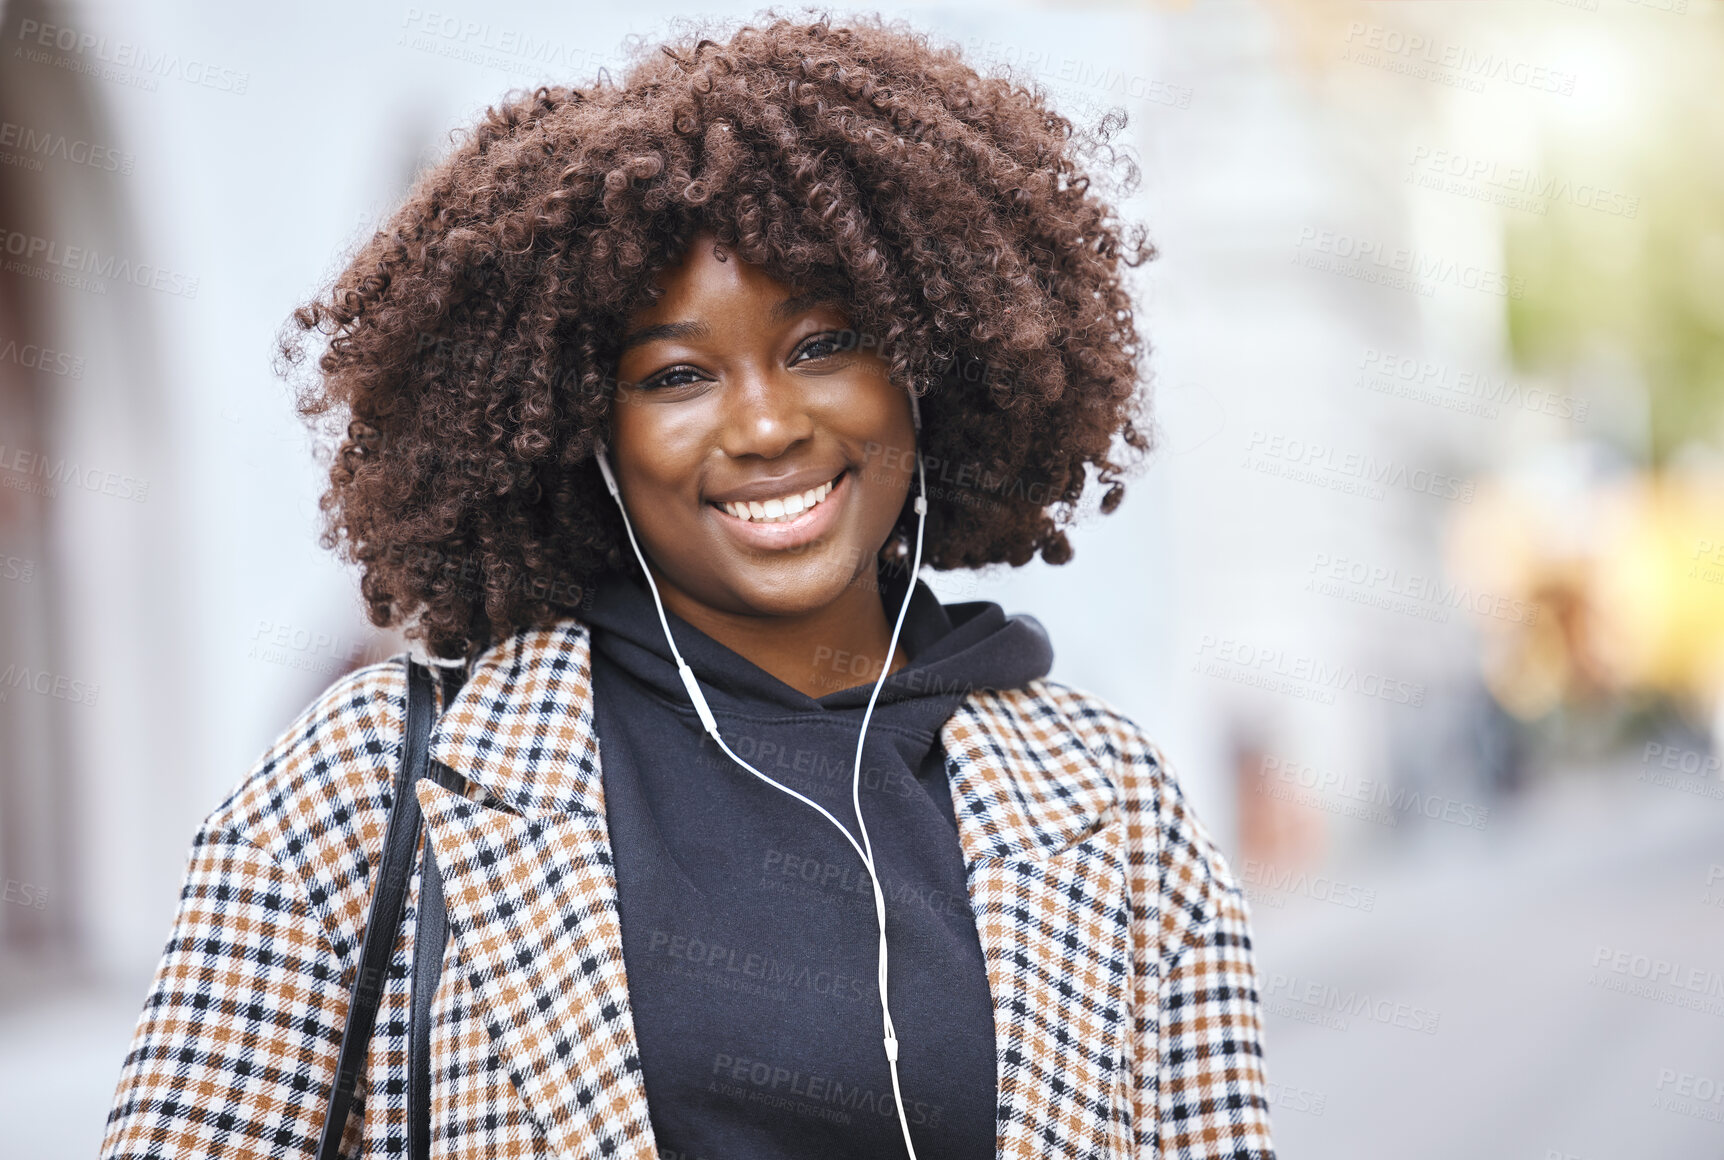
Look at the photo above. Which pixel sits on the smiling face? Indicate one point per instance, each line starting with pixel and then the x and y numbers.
pixel 741 391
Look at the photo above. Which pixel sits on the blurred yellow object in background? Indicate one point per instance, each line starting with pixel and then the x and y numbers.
pixel 1629 582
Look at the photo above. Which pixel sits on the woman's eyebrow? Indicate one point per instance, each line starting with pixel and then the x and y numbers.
pixel 788 308
pixel 797 303
pixel 665 330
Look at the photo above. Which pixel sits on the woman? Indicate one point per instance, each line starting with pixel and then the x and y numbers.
pixel 777 288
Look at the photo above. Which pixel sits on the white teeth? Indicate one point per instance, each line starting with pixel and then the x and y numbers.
pixel 778 510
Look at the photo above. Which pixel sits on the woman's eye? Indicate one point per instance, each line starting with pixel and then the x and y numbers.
pixel 671 378
pixel 827 344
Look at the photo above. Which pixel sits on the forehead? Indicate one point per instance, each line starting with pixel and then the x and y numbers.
pixel 708 275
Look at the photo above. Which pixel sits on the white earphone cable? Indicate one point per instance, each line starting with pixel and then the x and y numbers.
pixel 865 851
pixel 921 506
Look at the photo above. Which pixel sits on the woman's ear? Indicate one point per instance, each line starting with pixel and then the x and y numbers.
pixel 604 463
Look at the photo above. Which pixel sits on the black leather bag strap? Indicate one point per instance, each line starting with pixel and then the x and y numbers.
pixel 430 936
pixel 383 920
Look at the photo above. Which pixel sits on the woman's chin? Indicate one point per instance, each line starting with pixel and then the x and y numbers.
pixel 800 592
pixel 795 584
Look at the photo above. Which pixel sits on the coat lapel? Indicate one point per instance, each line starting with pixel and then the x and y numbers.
pixel 1044 847
pixel 532 898
pixel 531 891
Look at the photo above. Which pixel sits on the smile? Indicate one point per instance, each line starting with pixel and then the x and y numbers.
pixel 780 509
pixel 783 522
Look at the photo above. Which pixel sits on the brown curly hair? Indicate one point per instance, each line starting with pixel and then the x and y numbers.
pixel 472 340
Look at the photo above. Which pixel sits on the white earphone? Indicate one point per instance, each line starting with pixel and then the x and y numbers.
pixel 866 849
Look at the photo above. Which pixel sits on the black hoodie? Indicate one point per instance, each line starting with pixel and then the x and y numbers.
pixel 749 937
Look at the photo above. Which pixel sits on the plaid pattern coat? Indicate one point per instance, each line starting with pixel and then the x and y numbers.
pixel 1117 942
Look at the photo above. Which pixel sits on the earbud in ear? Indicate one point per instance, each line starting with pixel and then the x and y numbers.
pixel 605 470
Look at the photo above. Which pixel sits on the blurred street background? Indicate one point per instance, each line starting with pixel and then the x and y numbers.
pixel 1422 593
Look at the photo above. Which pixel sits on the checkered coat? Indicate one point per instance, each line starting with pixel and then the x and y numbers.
pixel 1117 941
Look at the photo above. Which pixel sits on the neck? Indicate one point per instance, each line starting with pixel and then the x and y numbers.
pixel 818 652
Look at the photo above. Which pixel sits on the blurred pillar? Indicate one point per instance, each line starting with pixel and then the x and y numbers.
pixel 94 666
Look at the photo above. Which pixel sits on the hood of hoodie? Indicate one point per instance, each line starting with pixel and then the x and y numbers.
pixel 953 649
pixel 748 921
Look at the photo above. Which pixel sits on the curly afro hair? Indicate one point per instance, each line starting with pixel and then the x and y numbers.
pixel 469 367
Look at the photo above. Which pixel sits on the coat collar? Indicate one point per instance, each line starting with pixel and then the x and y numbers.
pixel 531 891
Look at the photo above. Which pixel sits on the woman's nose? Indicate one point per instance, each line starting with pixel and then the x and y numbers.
pixel 765 414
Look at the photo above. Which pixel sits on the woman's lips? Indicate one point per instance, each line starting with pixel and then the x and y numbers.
pixel 793 533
